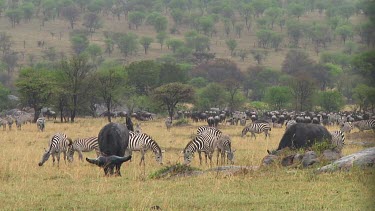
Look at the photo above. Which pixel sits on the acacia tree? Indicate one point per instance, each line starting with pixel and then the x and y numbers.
pixel 110 82
pixel 146 42
pixel 169 95
pixel 35 88
pixel 302 90
pixel 75 72
pixel 71 13
pixel 278 96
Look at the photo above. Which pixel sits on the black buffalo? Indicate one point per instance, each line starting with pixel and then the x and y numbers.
pixel 113 140
pixel 302 135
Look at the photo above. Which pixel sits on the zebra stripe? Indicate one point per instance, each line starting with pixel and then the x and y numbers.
pixel 41 123
pixel 338 139
pixel 168 123
pixel 58 143
pixel 257 128
pixel 205 142
pixel 205 128
pixel 346 127
pixel 83 145
pixel 142 142
pixel 224 145
pixel 365 125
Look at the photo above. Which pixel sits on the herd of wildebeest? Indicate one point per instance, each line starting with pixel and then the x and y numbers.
pixel 115 142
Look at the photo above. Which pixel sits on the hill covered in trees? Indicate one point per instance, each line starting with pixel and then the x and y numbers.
pixel 290 54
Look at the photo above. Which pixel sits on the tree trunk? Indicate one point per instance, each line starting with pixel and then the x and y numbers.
pixel 37 113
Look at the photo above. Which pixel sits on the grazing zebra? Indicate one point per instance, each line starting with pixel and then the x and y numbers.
pixel 365 125
pixel 10 121
pixel 58 143
pixel 243 121
pixel 142 142
pixel 138 128
pixel 19 121
pixel 346 127
pixel 204 129
pixel 168 123
pixel 224 146
pixel 83 145
pixel 41 123
pixel 205 142
pixel 338 139
pixel 257 128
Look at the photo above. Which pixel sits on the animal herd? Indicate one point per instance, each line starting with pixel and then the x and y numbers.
pixel 115 143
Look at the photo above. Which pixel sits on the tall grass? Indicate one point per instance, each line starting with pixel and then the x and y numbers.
pixel 79 185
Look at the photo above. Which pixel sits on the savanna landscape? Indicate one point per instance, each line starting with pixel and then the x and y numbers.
pixel 75 65
pixel 83 186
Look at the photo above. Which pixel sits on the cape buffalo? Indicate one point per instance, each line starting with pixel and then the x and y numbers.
pixel 113 140
pixel 302 135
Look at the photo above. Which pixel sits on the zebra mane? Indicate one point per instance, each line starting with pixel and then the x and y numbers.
pixel 152 139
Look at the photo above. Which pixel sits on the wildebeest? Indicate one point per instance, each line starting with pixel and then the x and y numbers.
pixel 303 135
pixel 113 140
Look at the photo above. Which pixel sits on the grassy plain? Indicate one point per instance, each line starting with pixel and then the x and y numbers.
pixel 81 186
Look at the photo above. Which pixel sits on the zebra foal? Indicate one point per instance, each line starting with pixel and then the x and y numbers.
pixel 143 142
pixel 83 145
pixel 59 143
pixel 257 128
pixel 224 145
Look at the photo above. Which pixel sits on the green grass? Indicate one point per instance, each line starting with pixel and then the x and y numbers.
pixel 80 185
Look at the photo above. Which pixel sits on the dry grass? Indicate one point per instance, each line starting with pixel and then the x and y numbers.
pixel 26 186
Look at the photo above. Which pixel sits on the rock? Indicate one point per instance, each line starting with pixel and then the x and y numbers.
pixel 288 160
pixel 309 158
pixel 364 158
pixel 269 159
pixel 330 155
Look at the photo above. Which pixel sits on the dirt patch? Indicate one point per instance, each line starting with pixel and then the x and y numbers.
pixel 366 139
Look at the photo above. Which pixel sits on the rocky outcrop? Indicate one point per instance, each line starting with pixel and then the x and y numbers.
pixel 364 158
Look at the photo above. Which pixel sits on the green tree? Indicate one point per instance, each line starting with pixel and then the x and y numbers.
pixel 158 21
pixel 302 90
pixel 71 13
pixel 170 95
pixel 278 97
pixel 161 37
pixel 296 10
pixel 4 92
pixel 259 55
pixel 346 10
pixel 5 42
pixel 136 18
pixel 79 43
pixel 273 14
pixel 206 24
pixel 177 16
pixel 128 44
pixel 110 83
pixel 146 42
pixel 174 44
pixel 92 22
pixel 212 96
pixel 232 45
pixel 331 101
pixel 95 52
pixel 260 6
pixel 364 65
pixel 295 32
pixel 35 87
pixel 14 16
pixel 364 96
pixel 200 43
pixel 172 72
pixel 143 75
pixel 345 32
pixel 75 72
pixel 28 10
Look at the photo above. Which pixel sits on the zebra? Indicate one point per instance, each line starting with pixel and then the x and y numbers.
pixel 83 145
pixel 40 123
pixel 58 143
pixel 338 139
pixel 346 127
pixel 138 128
pixel 365 125
pixel 19 121
pixel 204 129
pixel 243 121
pixel 257 128
pixel 205 142
pixel 143 142
pixel 168 123
pixel 224 146
pixel 10 121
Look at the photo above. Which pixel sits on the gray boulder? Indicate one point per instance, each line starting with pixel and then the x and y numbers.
pixel 364 158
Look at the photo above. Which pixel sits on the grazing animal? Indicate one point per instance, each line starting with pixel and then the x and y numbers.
pixel 303 135
pixel 168 123
pixel 290 123
pixel 142 142
pixel 129 123
pixel 59 143
pixel 205 142
pixel 83 145
pixel 338 139
pixel 365 125
pixel 346 127
pixel 224 145
pixel 19 122
pixel 204 129
pixel 3 123
pixel 243 121
pixel 211 121
pixel 137 128
pixel 113 140
pixel 41 123
pixel 257 128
